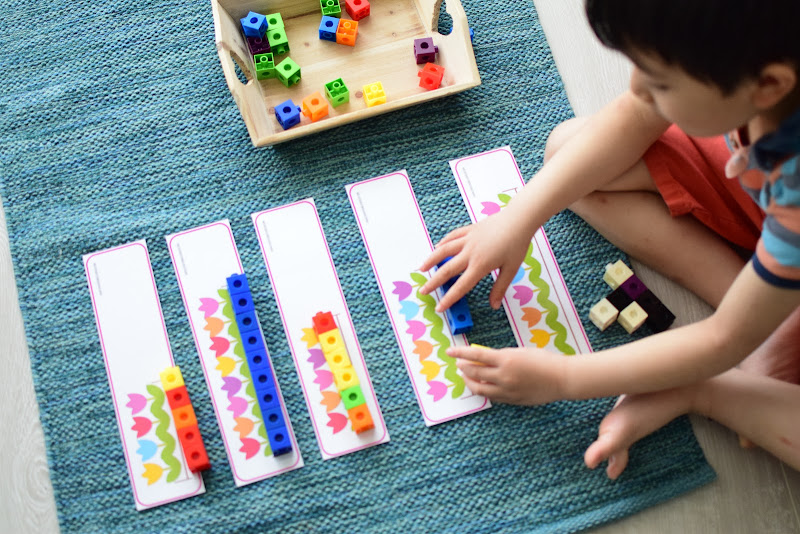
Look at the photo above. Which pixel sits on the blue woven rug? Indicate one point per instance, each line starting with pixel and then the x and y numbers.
pixel 117 125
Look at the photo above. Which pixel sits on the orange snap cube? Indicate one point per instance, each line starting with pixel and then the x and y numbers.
pixel 315 107
pixel 431 76
pixel 347 32
pixel 360 418
pixel 184 416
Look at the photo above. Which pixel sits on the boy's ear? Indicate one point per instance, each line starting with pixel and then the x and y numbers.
pixel 775 82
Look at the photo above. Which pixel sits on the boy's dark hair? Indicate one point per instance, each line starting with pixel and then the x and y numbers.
pixel 720 41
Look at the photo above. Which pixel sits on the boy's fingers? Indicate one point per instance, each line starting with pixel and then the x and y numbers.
pixel 455 234
pixel 478 355
pixel 483 389
pixel 478 372
pixel 500 286
pixel 456 291
pixel 453 248
pixel 443 274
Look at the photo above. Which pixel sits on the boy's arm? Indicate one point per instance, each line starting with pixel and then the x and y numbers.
pixel 610 143
pixel 751 310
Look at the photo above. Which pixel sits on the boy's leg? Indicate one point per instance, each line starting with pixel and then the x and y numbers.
pixel 761 408
pixel 630 213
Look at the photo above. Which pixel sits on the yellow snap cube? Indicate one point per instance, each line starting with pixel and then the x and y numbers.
pixel 338 359
pixel 632 317
pixel 603 314
pixel 171 378
pixel 616 274
pixel 345 378
pixel 374 94
pixel 331 341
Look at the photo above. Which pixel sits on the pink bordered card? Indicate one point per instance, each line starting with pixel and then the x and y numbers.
pixel 397 242
pixel 537 303
pixel 341 400
pixel 133 338
pixel 203 259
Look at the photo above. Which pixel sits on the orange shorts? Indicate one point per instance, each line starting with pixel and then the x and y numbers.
pixel 689 172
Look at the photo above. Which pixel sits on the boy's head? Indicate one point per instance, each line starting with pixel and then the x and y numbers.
pixel 722 42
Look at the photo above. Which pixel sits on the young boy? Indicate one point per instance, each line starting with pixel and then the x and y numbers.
pixel 687 206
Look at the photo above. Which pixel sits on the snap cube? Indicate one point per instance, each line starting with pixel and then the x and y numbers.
pixel 345 378
pixel 177 397
pixel 258 45
pixel 619 299
pixel 243 302
pixel 352 397
pixel 338 359
pixel 273 418
pixel 327 28
pixel 431 76
pixel 254 24
pixel 237 283
pixel 263 379
pixel 274 20
pixel 279 441
pixel 458 317
pixel 357 9
pixel 633 287
pixel 315 107
pixel 424 50
pixel 659 318
pixel 323 322
pixel 246 321
pixel 184 416
pixel 193 449
pixel 278 42
pixel 257 361
pixel 632 317
pixel 171 378
pixel 347 32
pixel 268 399
pixel 337 92
pixel 332 341
pixel 616 273
pixel 265 66
pixel 603 314
pixel 374 94
pixel 252 341
pixel 360 418
pixel 288 114
pixel 288 72
pixel 331 8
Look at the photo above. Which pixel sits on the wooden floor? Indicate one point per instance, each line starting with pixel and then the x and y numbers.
pixel 753 494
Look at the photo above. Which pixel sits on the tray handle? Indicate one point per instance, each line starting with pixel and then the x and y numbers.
pixel 429 10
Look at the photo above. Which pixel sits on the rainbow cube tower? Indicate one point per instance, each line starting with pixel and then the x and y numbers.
pixel 344 375
pixel 269 402
pixel 185 420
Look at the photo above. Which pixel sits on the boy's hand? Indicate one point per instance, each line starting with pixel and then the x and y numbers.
pixel 514 376
pixel 476 250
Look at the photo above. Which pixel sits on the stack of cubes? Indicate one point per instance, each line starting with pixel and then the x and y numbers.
pixel 185 420
pixel 458 317
pixel 269 402
pixel 344 375
pixel 431 75
pixel 266 38
pixel 631 303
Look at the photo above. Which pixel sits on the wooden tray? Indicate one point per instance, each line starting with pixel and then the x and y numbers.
pixel 384 52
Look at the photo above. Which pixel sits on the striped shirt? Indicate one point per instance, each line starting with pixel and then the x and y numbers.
pixel 769 171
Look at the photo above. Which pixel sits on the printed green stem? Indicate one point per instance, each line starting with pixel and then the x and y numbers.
pixel 542 297
pixel 157 409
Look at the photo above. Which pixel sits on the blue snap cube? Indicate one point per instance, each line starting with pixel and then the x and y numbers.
pixel 257 360
pixel 263 379
pixel 246 321
pixel 273 418
pixel 279 440
pixel 254 24
pixel 243 302
pixel 268 399
pixel 252 341
pixel 458 317
pixel 288 114
pixel 327 28
pixel 237 283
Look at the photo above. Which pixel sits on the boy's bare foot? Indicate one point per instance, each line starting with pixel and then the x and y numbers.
pixel 634 417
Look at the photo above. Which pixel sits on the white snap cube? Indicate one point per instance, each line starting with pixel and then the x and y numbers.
pixel 632 317
pixel 616 274
pixel 603 314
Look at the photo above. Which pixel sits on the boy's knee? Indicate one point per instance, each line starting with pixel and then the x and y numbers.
pixel 561 134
